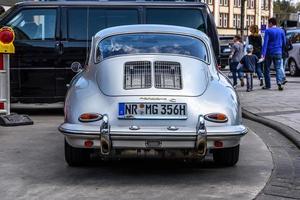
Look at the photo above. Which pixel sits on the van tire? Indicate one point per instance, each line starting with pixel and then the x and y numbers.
pixel 226 156
pixel 76 156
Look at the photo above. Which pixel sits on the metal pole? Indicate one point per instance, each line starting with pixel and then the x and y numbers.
pixel 6 68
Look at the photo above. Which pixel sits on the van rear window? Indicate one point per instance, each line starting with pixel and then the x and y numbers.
pixel 85 23
pixel 188 17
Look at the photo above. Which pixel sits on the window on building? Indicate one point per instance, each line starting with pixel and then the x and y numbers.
pixel 222 2
pixel 225 2
pixel 252 3
pixel 248 20
pixel 266 4
pixel 210 2
pixel 264 20
pixel 263 4
pixel 236 21
pixel 237 3
pixel 251 19
pixel 223 21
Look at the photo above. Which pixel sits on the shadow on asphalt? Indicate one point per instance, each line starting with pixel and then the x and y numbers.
pixel 33 111
pixel 136 165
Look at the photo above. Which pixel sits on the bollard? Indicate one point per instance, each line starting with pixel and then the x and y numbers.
pixel 7 37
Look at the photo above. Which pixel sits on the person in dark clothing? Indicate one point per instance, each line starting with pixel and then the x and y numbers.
pixel 285 54
pixel 237 52
pixel 256 41
pixel 249 63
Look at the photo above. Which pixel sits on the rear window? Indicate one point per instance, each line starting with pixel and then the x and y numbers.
pixel 85 23
pixel 146 43
pixel 188 17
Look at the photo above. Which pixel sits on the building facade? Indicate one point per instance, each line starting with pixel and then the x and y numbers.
pixel 227 14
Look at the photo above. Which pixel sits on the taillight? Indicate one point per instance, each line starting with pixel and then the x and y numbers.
pixel 90 117
pixel 216 117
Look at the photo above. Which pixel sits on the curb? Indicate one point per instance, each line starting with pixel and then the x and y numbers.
pixel 288 132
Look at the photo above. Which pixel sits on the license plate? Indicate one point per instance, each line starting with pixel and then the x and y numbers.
pixel 152 111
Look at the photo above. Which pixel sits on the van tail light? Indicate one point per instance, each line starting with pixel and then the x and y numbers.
pixel 90 117
pixel 216 117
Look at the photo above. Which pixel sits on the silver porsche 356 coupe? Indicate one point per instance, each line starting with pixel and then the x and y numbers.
pixel 151 91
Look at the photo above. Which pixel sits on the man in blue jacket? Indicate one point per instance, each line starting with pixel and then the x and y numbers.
pixel 274 43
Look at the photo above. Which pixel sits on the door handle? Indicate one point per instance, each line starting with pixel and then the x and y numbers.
pixel 59 47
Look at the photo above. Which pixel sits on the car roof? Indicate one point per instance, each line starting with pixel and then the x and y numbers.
pixel 116 3
pixel 150 28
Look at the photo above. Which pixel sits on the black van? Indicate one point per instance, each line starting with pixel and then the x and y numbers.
pixel 52 35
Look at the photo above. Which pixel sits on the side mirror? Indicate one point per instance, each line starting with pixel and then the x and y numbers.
pixel 76 67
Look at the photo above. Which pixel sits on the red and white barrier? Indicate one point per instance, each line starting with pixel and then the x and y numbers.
pixel 4 84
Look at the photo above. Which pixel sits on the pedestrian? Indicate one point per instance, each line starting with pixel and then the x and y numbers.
pixel 256 41
pixel 249 63
pixel 274 42
pixel 236 55
pixel 285 55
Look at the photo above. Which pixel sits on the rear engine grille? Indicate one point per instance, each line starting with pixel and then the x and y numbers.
pixel 137 75
pixel 167 75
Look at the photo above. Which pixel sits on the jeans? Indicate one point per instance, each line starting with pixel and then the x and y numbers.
pixel 234 71
pixel 277 61
pixel 249 77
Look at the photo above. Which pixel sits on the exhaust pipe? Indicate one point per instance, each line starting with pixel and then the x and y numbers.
pixel 105 142
pixel 201 148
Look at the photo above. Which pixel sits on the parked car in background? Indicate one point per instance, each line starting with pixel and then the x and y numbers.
pixel 52 35
pixel 225 49
pixel 150 90
pixel 293 62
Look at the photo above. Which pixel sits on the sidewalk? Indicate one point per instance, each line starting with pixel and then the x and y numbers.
pixel 279 106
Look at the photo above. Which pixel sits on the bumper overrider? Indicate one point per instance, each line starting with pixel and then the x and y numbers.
pixel 191 141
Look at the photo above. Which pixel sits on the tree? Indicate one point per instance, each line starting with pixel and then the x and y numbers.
pixel 282 10
pixel 9 2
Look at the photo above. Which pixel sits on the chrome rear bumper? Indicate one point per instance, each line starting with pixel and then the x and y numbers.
pixel 150 137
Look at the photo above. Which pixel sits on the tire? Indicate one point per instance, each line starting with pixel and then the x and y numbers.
pixel 227 156
pixel 293 68
pixel 76 156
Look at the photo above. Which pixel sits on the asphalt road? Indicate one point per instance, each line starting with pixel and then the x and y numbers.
pixel 32 167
